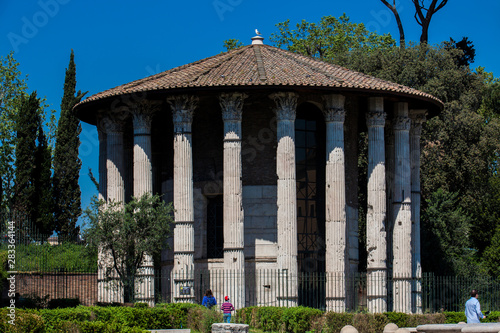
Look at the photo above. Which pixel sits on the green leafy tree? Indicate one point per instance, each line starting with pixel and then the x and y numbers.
pixel 66 162
pixel 332 39
pixel 232 44
pixel 12 89
pixel 127 233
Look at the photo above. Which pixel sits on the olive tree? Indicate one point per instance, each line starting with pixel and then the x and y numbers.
pixel 127 233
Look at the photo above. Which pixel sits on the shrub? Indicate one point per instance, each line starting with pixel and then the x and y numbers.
pixel 141 305
pixel 369 322
pixel 210 316
pixel 299 319
pixel 454 317
pixel 422 319
pixel 24 322
pixel 63 303
pixel 335 321
pixel 33 301
pixel 66 257
pixel 3 266
pixel 270 318
pixel 398 318
pixel 493 317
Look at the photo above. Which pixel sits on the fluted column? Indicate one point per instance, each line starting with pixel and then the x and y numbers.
pixel 102 259
pixel 417 119
pixel 115 163
pixel 143 177
pixel 335 217
pixel 182 109
pixel 376 209
pixel 143 183
pixel 402 267
pixel 234 229
pixel 111 128
pixel 286 105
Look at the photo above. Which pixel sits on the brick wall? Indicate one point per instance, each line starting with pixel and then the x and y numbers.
pixel 59 285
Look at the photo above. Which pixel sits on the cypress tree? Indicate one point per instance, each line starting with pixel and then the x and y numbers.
pixel 67 164
pixel 26 128
pixel 43 200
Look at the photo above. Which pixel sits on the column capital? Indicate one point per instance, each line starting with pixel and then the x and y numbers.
pixel 402 123
pixel 376 118
pixel 334 108
pixel 111 122
pixel 182 110
pixel 286 105
pixel 232 105
pixel 143 115
pixel 418 117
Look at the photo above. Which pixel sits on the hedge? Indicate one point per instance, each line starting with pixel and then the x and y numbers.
pixel 199 319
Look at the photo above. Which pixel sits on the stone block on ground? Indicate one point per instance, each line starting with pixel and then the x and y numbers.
pixel 229 328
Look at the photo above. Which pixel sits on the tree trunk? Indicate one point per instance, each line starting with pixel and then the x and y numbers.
pixel 394 10
pixel 424 37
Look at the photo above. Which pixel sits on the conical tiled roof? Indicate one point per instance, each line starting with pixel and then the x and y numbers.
pixel 260 66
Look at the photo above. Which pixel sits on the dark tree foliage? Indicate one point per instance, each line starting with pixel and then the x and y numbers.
pixel 460 147
pixel 491 101
pixel 467 48
pixel 446 235
pixel 492 253
pixel 67 164
pixel 43 200
pixel 26 128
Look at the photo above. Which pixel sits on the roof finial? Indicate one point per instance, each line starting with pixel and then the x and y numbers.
pixel 257 40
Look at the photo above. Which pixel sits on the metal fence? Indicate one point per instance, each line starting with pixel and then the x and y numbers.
pixel 261 288
pixel 265 287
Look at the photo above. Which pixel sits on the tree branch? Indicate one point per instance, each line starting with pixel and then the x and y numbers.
pixel 394 10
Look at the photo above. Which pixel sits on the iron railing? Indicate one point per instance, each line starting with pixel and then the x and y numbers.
pixel 258 287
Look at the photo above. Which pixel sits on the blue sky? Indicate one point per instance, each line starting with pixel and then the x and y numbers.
pixel 117 41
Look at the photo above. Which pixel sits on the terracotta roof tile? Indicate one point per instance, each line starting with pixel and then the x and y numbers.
pixel 240 67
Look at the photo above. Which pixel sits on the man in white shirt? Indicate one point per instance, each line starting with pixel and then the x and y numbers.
pixel 473 309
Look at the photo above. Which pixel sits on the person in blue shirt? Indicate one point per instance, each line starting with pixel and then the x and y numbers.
pixel 209 299
pixel 473 309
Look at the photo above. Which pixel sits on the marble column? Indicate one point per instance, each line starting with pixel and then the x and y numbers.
pixel 335 210
pixel 286 105
pixel 102 259
pixel 376 209
pixel 401 240
pixel 143 184
pixel 115 163
pixel 111 128
pixel 417 119
pixel 183 272
pixel 234 228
